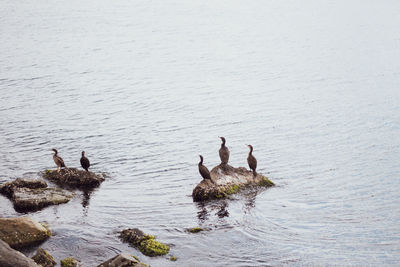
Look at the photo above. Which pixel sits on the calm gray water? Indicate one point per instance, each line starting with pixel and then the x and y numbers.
pixel 144 87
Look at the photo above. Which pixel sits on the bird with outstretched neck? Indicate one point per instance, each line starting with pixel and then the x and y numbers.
pixel 204 172
pixel 251 160
pixel 85 163
pixel 224 153
pixel 58 160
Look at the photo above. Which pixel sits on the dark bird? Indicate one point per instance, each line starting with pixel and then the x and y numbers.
pixel 224 152
pixel 85 163
pixel 58 160
pixel 205 173
pixel 251 160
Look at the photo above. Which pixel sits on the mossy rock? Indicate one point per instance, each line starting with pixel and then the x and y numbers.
pixel 173 258
pixel 145 243
pixel 195 230
pixel 68 262
pixel 227 180
pixel 72 177
pixel 43 258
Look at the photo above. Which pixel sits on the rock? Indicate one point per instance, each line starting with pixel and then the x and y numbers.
pixel 43 258
pixel 26 199
pixel 74 178
pixel 145 243
pixel 68 262
pixel 33 194
pixel 227 180
pixel 123 260
pixel 195 230
pixel 12 258
pixel 7 189
pixel 22 232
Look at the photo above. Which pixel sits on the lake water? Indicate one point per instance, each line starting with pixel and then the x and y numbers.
pixel 144 87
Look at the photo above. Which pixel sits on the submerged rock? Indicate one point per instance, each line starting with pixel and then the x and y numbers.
pixel 11 258
pixel 22 232
pixel 123 260
pixel 33 194
pixel 194 230
pixel 68 262
pixel 43 258
pixel 227 180
pixel 74 178
pixel 145 243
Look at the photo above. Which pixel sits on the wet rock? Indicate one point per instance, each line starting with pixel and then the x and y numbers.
pixel 145 243
pixel 7 189
pixel 26 199
pixel 194 230
pixel 123 260
pixel 227 180
pixel 74 178
pixel 12 258
pixel 33 194
pixel 43 258
pixel 22 232
pixel 68 262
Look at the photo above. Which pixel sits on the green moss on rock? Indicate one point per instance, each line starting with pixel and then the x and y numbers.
pixel 68 262
pixel 265 182
pixel 43 258
pixel 173 258
pixel 195 230
pixel 153 248
pixel 145 243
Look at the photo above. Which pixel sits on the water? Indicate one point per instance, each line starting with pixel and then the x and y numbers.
pixel 144 87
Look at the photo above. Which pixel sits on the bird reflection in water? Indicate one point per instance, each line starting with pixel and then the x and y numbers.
pixel 205 209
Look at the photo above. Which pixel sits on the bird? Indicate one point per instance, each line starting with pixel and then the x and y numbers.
pixel 224 152
pixel 205 173
pixel 251 160
pixel 85 163
pixel 58 160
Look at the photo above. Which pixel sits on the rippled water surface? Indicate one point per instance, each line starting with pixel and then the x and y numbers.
pixel 144 87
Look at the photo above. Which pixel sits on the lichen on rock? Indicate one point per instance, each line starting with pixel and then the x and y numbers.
pixel 227 180
pixel 145 243
pixel 73 177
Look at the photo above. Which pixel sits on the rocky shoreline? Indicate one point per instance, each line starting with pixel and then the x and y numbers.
pixel 29 195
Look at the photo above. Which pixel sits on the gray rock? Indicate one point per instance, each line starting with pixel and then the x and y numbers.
pixel 7 189
pixel 74 178
pixel 123 260
pixel 33 194
pixel 22 232
pixel 227 180
pixel 43 258
pixel 12 258
pixel 26 199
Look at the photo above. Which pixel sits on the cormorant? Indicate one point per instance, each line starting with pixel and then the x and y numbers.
pixel 205 173
pixel 58 160
pixel 85 163
pixel 251 160
pixel 224 152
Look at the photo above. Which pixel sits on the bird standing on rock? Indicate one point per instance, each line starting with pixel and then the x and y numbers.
pixel 85 163
pixel 224 152
pixel 205 173
pixel 251 160
pixel 58 160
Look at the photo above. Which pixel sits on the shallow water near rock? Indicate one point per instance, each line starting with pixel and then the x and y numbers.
pixel 145 87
